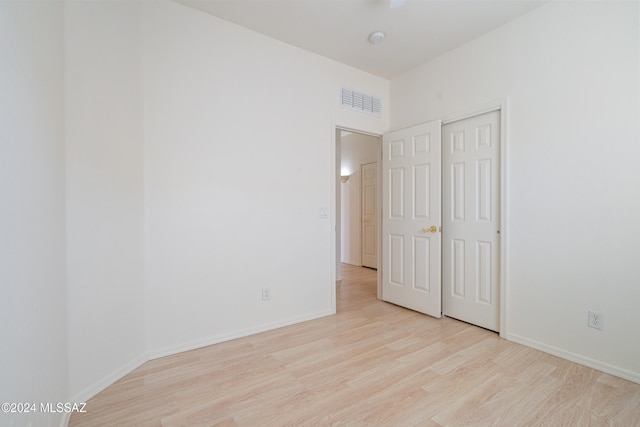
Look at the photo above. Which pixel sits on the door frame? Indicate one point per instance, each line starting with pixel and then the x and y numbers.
pixel 335 205
pixel 501 105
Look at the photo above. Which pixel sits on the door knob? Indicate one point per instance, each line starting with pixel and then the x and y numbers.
pixel 431 229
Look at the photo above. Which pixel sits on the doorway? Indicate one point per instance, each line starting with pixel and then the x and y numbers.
pixel 357 191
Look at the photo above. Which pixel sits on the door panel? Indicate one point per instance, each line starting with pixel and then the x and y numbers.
pixel 369 220
pixel 470 219
pixel 411 252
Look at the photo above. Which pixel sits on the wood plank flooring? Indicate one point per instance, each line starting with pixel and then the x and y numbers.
pixel 374 364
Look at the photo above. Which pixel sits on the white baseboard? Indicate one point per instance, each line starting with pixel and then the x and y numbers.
pixel 66 417
pixel 137 362
pixel 577 358
pixel 105 382
pixel 96 388
pixel 216 339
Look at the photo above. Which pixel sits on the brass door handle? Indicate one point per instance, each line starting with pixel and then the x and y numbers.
pixel 431 229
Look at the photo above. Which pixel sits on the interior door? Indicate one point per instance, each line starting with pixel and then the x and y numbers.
pixel 411 242
pixel 470 215
pixel 369 215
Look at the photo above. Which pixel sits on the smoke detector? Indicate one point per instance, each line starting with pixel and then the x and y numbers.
pixel 376 37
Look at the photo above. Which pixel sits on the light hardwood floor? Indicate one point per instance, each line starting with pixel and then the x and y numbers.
pixel 373 363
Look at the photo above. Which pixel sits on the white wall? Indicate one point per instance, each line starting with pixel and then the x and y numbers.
pixel 235 175
pixel 571 73
pixel 239 158
pixel 105 192
pixel 357 149
pixel 33 335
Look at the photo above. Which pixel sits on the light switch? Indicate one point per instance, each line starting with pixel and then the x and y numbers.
pixel 323 213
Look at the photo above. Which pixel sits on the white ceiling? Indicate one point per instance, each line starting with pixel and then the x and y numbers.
pixel 416 32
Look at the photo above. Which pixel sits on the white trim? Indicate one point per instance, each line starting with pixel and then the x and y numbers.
pixel 333 217
pixel 66 417
pixel 352 130
pixel 217 339
pixel 478 110
pixel 379 219
pixel 105 382
pixel 504 216
pixel 118 374
pixel 577 358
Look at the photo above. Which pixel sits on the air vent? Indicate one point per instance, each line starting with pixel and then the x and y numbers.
pixel 358 101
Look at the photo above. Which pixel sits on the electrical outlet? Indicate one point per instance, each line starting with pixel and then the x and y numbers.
pixel 596 319
pixel 266 294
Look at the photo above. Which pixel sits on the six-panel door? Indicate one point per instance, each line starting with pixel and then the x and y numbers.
pixel 411 218
pixel 470 218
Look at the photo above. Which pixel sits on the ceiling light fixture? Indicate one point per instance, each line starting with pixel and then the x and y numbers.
pixel 376 37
